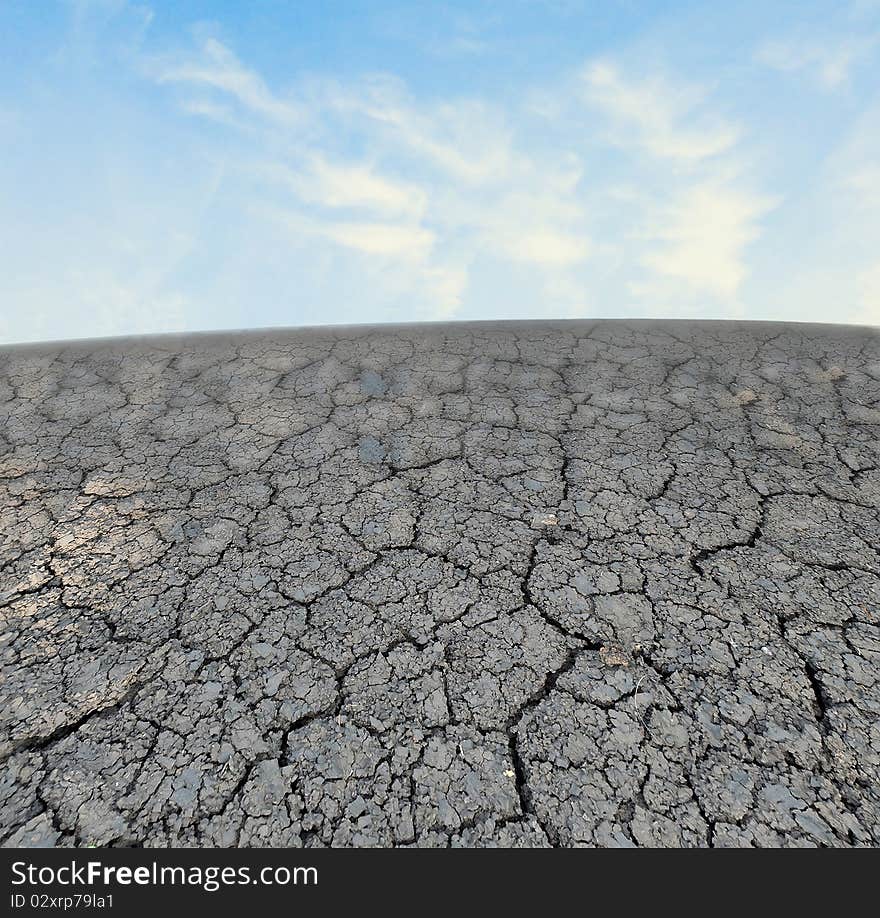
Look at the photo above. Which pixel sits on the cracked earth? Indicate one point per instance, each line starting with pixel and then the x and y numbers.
pixel 543 584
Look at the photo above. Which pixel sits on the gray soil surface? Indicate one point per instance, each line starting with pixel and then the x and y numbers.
pixel 517 584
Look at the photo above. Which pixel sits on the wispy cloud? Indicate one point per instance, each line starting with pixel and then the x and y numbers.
pixel 702 235
pixel 666 120
pixel 219 69
pixel 349 186
pixel 829 60
pixel 692 210
pixel 466 138
pixel 388 240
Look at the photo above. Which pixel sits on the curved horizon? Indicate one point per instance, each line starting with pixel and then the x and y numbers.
pixel 427 325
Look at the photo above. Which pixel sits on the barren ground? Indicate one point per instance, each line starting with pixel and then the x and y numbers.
pixel 502 584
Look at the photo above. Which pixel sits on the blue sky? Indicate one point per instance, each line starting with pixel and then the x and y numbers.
pixel 181 166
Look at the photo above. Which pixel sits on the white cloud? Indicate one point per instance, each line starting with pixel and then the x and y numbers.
pixel 445 286
pixel 511 231
pixel 403 241
pixel 386 239
pixel 219 69
pixel 467 139
pixel 656 116
pixel 864 185
pixel 546 247
pixel 828 60
pixel 396 259
pixel 350 185
pixel 702 236
pixel 212 111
